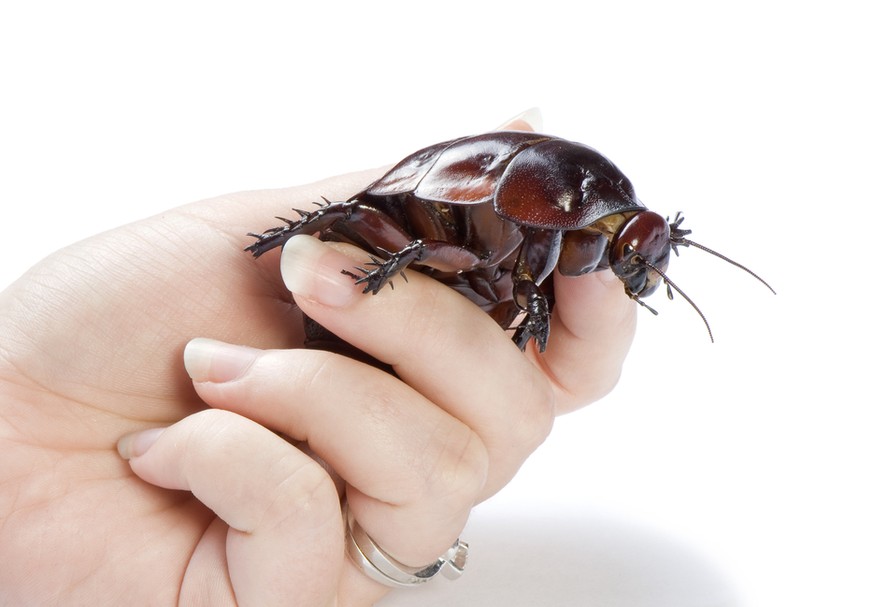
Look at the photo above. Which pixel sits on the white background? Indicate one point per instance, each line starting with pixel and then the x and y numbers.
pixel 728 474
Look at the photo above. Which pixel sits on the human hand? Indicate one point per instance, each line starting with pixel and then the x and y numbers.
pixel 90 347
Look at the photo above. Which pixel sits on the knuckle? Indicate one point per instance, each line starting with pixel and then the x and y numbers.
pixel 302 492
pixel 536 415
pixel 458 471
pixel 287 486
pixel 426 318
pixel 216 423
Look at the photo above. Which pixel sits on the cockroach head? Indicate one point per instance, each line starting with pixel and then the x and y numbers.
pixel 640 253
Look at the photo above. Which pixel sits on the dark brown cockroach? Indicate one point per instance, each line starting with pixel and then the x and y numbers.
pixel 493 216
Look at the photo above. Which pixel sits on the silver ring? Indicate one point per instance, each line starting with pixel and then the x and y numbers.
pixel 382 567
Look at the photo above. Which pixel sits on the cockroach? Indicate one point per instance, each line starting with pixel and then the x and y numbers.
pixel 493 216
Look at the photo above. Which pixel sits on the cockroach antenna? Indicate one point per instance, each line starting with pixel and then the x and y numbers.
pixel 677 239
pixel 671 286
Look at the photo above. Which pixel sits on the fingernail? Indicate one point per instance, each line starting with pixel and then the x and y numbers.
pixel 216 361
pixel 314 271
pixel 533 117
pixel 137 443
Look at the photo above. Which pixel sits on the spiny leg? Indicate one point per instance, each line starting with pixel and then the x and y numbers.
pixel 310 222
pixel 433 253
pixel 535 324
pixel 536 260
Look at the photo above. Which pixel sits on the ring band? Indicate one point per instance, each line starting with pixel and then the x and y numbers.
pixel 383 568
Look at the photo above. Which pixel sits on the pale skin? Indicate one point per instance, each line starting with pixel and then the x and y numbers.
pixel 137 470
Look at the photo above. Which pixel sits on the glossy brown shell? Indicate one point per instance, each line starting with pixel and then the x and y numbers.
pixel 531 179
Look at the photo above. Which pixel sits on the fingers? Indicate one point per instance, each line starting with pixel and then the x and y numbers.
pixel 416 454
pixel 529 120
pixel 285 536
pixel 440 344
pixel 412 471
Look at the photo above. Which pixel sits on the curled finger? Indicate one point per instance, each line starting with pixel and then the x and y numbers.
pixel 284 536
pixel 412 472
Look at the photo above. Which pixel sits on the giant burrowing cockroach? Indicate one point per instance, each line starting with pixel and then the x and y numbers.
pixel 493 216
